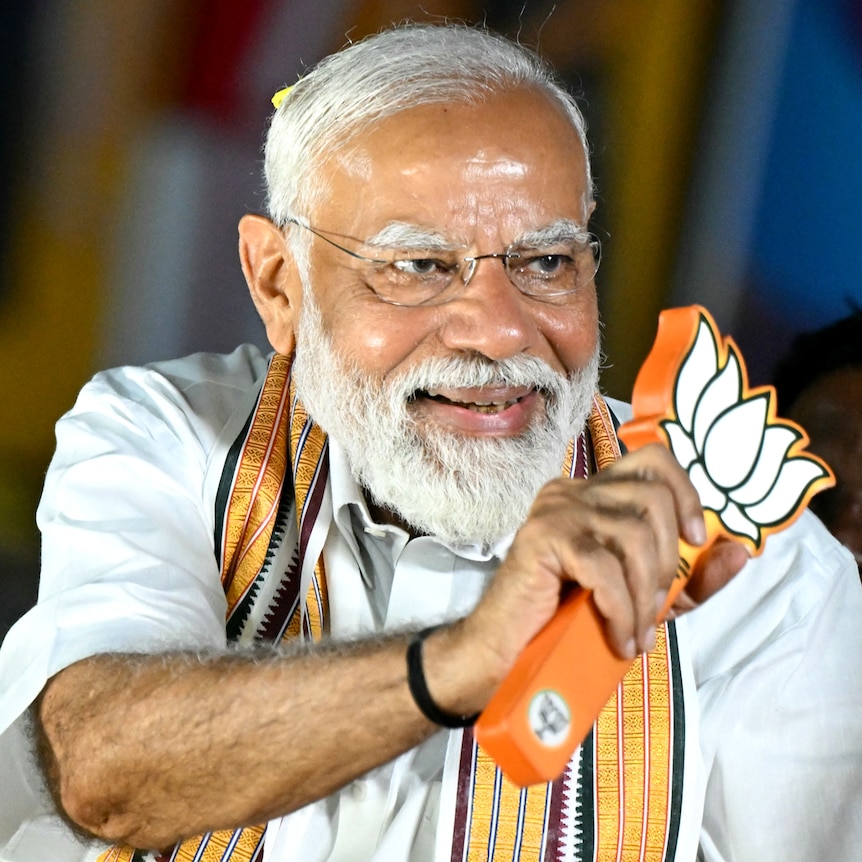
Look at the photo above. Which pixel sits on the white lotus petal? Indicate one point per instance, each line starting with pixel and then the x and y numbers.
pixel 736 522
pixel 698 368
pixel 710 496
pixel 680 443
pixel 724 390
pixel 732 445
pixel 776 441
pixel 794 479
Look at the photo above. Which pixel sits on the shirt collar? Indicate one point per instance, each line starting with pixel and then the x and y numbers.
pixel 349 506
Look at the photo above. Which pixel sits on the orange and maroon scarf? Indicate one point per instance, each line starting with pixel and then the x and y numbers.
pixel 619 799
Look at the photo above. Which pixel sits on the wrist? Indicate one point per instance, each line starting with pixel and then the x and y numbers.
pixel 418 684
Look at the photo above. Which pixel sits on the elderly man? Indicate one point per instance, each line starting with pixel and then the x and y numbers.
pixel 269 582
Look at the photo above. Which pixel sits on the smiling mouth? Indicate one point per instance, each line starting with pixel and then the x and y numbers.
pixel 490 406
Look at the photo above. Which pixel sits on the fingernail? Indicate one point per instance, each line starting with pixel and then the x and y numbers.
pixel 630 649
pixel 648 640
pixel 660 600
pixel 696 530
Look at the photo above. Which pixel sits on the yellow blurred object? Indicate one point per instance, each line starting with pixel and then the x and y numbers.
pixel 280 96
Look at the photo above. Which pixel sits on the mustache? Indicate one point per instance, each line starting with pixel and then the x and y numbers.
pixel 465 372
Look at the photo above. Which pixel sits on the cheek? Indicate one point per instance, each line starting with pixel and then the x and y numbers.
pixel 572 333
pixel 375 336
pixel 380 338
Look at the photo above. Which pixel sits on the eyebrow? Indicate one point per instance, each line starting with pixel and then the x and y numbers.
pixel 398 235
pixel 561 231
pixel 403 235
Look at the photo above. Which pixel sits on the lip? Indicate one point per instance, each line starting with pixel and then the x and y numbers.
pixel 494 412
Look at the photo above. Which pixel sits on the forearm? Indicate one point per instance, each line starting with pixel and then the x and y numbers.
pixel 148 749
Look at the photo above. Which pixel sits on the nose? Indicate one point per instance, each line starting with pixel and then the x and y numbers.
pixel 490 315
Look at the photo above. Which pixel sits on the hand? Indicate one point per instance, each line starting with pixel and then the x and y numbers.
pixel 615 534
pixel 716 566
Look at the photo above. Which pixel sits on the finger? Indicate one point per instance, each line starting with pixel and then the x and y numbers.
pixel 656 463
pixel 596 567
pixel 620 563
pixel 637 548
pixel 715 568
pixel 658 513
pixel 637 523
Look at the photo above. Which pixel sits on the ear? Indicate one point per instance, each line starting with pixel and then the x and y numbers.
pixel 272 277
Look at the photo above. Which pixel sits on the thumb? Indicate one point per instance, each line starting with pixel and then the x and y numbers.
pixel 715 568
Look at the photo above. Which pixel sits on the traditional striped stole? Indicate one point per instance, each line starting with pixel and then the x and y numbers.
pixel 619 798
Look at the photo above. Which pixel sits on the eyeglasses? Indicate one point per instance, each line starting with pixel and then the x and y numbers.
pixel 413 277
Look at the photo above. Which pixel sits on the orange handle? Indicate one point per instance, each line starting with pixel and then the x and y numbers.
pixel 560 683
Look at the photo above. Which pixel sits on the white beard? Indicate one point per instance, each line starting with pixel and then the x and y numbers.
pixel 455 487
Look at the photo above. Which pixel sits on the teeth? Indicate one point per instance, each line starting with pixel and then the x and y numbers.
pixel 485 408
pixel 495 407
pixel 475 406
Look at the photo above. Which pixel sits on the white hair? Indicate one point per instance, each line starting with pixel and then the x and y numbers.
pixel 382 75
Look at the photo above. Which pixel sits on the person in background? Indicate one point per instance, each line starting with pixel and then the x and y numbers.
pixel 819 385
pixel 277 590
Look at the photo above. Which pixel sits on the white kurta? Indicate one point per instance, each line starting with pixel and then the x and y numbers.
pixel 127 519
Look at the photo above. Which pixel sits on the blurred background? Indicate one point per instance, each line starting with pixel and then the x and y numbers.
pixel 727 142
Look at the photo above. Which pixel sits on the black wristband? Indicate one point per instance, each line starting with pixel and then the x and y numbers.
pixel 419 688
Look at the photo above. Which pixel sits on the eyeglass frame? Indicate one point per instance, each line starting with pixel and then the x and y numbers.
pixel 504 256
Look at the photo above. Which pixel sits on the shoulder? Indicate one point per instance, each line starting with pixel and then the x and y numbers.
pixel 202 371
pixel 128 502
pixel 195 396
pixel 135 431
pixel 201 382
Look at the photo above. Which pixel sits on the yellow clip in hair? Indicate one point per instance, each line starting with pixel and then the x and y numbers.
pixel 280 96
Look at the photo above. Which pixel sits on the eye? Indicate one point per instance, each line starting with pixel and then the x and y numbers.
pixel 423 266
pixel 546 264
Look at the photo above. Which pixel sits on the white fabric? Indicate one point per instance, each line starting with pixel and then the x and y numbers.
pixel 776 656
pixel 378 581
pixel 780 688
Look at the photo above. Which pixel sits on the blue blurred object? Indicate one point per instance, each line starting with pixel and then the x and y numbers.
pixel 806 253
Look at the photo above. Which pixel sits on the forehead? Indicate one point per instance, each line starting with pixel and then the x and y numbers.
pixel 506 164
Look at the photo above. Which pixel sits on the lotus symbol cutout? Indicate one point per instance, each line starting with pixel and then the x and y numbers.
pixel 747 465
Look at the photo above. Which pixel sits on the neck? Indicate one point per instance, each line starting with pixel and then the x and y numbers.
pixel 385 515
